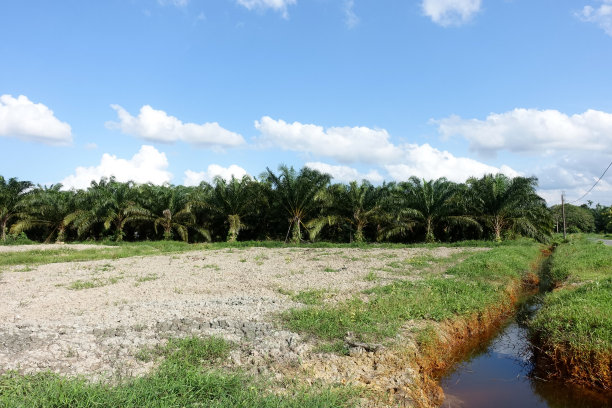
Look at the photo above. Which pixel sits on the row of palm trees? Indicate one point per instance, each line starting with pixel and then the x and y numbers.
pixel 283 205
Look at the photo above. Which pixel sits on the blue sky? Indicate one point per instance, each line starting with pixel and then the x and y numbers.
pixel 182 90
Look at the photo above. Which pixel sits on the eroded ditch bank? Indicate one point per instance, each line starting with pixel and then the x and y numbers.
pixel 502 370
pixel 513 365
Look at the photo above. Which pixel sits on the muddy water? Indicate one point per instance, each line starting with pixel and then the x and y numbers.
pixel 499 374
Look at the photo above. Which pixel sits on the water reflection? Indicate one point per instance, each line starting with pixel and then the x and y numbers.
pixel 498 374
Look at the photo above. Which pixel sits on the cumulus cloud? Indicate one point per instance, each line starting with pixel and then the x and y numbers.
pixel 426 162
pixel 574 173
pixel 176 3
pixel 600 15
pixel 345 174
pixel 276 5
pixel 450 12
pixel 193 178
pixel 147 166
pixel 350 18
pixel 26 120
pixel 157 126
pixel 371 146
pixel 532 130
pixel 345 144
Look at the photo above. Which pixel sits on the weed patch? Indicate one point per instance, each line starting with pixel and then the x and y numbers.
pixel 184 378
pixel 471 287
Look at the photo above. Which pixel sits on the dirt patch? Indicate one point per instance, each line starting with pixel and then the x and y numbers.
pixel 93 317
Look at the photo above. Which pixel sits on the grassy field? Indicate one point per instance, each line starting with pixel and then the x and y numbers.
pixel 574 325
pixel 188 373
pixel 186 377
pixel 467 288
pixel 113 250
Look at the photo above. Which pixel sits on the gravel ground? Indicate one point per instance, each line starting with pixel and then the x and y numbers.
pixel 93 317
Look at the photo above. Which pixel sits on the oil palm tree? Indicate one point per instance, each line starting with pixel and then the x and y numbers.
pixel 46 207
pixel 355 206
pixel 12 192
pixel 428 204
pixel 233 200
pixel 297 194
pixel 110 203
pixel 172 211
pixel 503 204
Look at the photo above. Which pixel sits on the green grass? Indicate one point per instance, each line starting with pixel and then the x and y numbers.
pixel 579 314
pixel 310 297
pixel 580 260
pixel 94 283
pixel 307 297
pixel 371 277
pixel 127 249
pixel 186 378
pixel 121 250
pixel 472 286
pixel 147 278
pixel 384 245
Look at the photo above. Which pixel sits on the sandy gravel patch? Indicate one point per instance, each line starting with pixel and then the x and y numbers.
pixel 92 317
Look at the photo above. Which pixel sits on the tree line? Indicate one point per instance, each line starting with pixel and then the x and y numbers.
pixel 287 205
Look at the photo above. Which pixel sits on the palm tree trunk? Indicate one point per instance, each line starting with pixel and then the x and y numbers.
pixel 429 236
pixel 234 227
pixel 61 234
pixel 4 230
pixel 359 234
pixel 497 226
pixel 296 236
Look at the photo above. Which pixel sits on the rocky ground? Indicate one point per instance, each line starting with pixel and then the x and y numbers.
pixel 93 318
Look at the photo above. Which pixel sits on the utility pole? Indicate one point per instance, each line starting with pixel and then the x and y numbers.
pixel 563 212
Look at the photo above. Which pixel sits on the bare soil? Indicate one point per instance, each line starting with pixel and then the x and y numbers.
pixel 94 317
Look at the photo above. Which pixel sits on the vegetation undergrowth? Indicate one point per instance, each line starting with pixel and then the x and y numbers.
pixel 186 377
pixel 116 250
pixel 573 329
pixel 467 288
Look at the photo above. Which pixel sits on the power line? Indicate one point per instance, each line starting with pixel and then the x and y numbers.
pixel 593 186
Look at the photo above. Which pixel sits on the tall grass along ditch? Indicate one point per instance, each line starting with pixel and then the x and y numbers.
pixel 573 328
pixel 441 313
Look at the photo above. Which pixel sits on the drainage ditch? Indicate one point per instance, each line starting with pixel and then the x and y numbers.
pixel 499 371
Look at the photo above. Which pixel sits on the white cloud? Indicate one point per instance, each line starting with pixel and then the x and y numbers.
pixel 427 162
pixel 147 166
pixel 276 5
pixel 345 144
pixel 531 130
pixel 345 174
pixel 574 173
pixel 193 178
pixel 602 15
pixel 450 12
pixel 26 120
pixel 91 146
pixel 176 3
pixel 157 126
pixel 350 18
